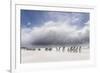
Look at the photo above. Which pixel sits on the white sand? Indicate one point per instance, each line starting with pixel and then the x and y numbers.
pixel 30 56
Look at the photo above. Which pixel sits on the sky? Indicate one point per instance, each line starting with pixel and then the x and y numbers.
pixel 54 28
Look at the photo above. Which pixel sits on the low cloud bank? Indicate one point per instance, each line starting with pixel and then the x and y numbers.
pixel 54 33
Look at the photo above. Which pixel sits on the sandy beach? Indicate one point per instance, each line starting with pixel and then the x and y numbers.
pixel 31 56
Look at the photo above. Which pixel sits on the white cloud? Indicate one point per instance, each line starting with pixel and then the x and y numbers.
pixel 54 33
